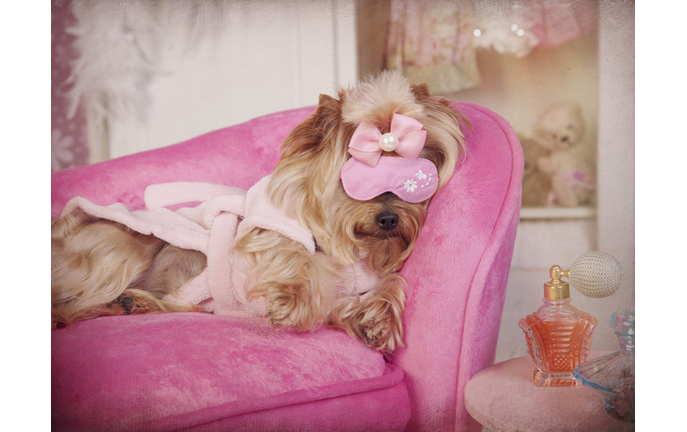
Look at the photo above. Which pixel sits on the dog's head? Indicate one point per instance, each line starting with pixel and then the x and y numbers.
pixel 319 171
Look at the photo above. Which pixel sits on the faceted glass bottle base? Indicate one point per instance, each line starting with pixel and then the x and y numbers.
pixel 559 379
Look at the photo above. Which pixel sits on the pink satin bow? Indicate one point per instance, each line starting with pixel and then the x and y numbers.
pixel 406 131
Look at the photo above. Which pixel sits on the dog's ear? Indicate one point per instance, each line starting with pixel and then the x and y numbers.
pixel 328 111
pixel 326 102
pixel 327 119
pixel 315 130
pixel 304 181
pixel 421 91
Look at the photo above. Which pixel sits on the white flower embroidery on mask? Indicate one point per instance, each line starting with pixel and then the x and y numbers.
pixel 410 185
pixel 420 175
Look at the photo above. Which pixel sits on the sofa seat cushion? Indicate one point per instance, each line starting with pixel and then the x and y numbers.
pixel 121 373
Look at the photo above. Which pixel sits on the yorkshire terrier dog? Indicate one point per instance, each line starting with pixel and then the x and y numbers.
pixel 356 176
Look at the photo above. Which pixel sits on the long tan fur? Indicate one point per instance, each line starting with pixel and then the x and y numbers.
pixel 97 265
pixel 305 183
pixel 102 268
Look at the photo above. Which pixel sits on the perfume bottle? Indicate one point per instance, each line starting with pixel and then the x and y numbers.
pixel 559 336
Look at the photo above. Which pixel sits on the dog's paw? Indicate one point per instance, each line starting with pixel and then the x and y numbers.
pixel 377 320
pixel 377 333
pixel 129 304
pixel 382 329
pixel 281 307
pixel 292 307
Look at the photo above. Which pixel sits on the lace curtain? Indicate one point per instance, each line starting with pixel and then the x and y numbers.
pixel 69 145
pixel 434 41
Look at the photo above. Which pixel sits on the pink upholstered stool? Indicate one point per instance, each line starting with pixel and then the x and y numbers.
pixel 504 398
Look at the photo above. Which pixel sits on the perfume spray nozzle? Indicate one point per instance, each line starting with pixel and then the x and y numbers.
pixel 557 289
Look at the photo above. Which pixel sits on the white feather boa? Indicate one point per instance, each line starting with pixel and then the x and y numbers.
pixel 120 45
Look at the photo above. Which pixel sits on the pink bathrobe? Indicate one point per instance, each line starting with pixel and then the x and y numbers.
pixel 224 215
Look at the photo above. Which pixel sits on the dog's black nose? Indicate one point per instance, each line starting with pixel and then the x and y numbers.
pixel 387 221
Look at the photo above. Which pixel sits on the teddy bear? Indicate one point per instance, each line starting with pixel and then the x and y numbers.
pixel 560 131
pixel 536 184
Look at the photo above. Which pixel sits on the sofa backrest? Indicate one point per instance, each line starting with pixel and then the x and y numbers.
pixel 237 156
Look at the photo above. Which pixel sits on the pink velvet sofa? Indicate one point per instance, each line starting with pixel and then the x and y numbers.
pixel 195 371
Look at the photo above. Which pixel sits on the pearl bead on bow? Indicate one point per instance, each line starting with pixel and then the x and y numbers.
pixel 388 142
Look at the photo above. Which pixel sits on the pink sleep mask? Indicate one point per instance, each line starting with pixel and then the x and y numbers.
pixel 368 174
pixel 412 180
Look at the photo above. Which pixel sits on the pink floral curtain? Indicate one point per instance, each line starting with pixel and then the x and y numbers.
pixel 69 146
pixel 431 42
pixel 434 41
